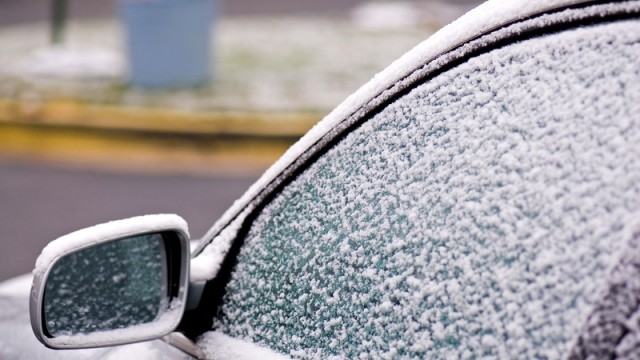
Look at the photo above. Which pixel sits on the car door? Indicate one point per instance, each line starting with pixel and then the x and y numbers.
pixel 479 208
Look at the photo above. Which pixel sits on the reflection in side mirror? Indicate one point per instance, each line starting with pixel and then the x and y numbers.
pixel 111 284
pixel 105 287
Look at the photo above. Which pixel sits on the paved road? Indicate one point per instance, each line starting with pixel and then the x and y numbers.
pixel 41 202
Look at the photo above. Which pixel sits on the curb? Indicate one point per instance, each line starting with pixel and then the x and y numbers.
pixel 164 139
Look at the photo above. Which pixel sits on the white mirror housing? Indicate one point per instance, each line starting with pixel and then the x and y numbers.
pixel 115 283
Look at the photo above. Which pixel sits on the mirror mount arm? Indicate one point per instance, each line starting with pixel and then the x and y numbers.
pixel 194 294
pixel 183 343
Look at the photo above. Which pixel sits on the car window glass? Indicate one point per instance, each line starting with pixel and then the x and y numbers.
pixel 475 215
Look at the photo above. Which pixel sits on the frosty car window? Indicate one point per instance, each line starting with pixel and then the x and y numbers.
pixel 456 190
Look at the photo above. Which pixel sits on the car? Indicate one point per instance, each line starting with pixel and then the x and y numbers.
pixel 478 198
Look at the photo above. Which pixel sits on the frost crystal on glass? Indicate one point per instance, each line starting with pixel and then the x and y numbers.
pixel 477 215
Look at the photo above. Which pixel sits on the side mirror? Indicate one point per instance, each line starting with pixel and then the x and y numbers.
pixel 111 284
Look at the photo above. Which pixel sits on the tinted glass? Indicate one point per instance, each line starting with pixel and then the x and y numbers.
pixel 109 286
pixel 476 216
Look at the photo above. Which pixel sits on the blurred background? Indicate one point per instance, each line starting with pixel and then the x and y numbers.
pixel 117 108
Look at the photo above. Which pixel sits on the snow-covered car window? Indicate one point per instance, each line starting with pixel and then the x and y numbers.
pixel 478 215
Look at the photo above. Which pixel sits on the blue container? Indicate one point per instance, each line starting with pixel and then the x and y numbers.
pixel 169 41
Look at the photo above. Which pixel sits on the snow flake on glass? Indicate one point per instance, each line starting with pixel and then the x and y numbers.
pixel 476 216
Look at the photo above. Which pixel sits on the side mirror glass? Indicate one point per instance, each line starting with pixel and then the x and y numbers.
pixel 111 284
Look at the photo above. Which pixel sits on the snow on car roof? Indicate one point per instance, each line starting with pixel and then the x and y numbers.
pixel 484 18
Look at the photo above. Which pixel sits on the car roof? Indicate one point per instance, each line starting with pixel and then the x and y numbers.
pixel 485 18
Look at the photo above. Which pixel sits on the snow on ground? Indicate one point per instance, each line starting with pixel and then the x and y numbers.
pixel 69 61
pixel 384 15
pixel 262 63
pixel 388 15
